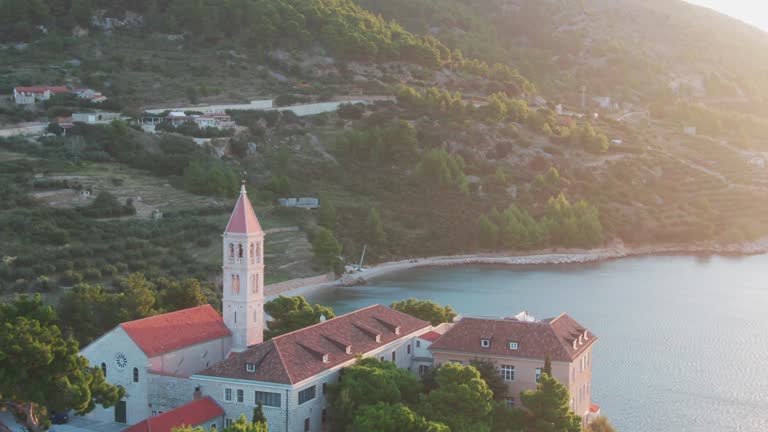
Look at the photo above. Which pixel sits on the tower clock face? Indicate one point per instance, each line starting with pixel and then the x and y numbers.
pixel 121 360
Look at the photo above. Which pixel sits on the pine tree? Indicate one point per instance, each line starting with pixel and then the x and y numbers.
pixel 258 414
pixel 549 407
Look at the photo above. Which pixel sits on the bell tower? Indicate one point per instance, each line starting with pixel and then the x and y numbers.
pixel 243 252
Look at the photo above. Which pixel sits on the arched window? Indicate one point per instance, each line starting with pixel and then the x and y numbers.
pixel 235 284
pixel 235 317
pixel 136 375
pixel 254 278
pixel 240 250
pixel 251 253
pixel 258 252
pixel 104 369
pixel 231 250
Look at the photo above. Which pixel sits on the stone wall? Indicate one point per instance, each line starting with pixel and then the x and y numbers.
pixel 167 392
pixel 282 287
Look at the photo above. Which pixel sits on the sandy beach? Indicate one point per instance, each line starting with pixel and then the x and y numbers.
pixel 542 257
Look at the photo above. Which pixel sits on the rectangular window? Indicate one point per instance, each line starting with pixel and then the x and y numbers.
pixel 324 415
pixel 325 388
pixel 510 402
pixel 250 367
pixel 456 361
pixel 418 343
pixel 240 395
pixel 228 422
pixel 485 343
pixel 408 350
pixel 508 372
pixel 268 399
pixel 394 356
pixel 423 369
pixel 381 358
pixel 538 374
pixel 306 395
pixel 513 345
pixel 228 394
pixel 306 424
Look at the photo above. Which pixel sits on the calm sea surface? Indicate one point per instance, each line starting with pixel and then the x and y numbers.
pixel 683 341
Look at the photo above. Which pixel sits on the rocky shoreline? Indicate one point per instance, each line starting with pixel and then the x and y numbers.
pixel 542 257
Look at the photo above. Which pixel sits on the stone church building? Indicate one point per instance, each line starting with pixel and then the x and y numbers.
pixel 197 367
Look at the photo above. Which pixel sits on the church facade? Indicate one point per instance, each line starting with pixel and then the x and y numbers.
pixel 196 366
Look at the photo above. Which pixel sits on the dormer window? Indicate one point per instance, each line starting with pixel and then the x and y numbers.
pixel 485 343
pixel 250 367
pixel 378 338
pixel 513 346
pixel 348 349
pixel 325 358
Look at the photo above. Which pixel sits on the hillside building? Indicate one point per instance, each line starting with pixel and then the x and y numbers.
pixel 518 346
pixel 30 95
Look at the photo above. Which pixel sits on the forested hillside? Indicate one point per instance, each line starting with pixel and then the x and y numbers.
pixel 479 139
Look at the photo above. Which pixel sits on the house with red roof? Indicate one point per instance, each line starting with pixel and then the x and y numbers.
pixel 203 411
pixel 518 347
pixel 30 95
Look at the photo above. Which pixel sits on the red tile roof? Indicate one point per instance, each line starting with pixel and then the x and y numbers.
pixel 41 89
pixel 243 219
pixel 191 414
pixel 294 357
pixel 171 331
pixel 430 336
pixel 594 408
pixel 537 339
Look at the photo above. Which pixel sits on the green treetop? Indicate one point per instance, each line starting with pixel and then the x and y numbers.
pixel 425 310
pixel 462 400
pixel 368 382
pixel 42 371
pixel 383 417
pixel 292 313
pixel 549 407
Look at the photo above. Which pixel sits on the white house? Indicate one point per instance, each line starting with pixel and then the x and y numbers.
pixel 305 203
pixel 100 117
pixel 173 344
pixel 30 95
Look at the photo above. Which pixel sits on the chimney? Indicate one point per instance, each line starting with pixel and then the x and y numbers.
pixel 197 394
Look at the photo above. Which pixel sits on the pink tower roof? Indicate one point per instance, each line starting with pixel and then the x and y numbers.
pixel 243 219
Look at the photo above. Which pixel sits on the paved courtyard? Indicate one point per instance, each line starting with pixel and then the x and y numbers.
pixel 76 424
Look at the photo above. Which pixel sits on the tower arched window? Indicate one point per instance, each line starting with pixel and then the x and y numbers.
pixel 254 278
pixel 104 369
pixel 240 250
pixel 231 250
pixel 235 284
pixel 135 375
pixel 251 252
pixel 258 252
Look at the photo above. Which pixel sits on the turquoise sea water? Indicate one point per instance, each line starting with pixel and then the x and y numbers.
pixel 683 340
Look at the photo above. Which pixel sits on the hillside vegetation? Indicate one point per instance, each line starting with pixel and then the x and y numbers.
pixel 483 145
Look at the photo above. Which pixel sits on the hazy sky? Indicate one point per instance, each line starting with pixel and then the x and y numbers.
pixel 754 12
